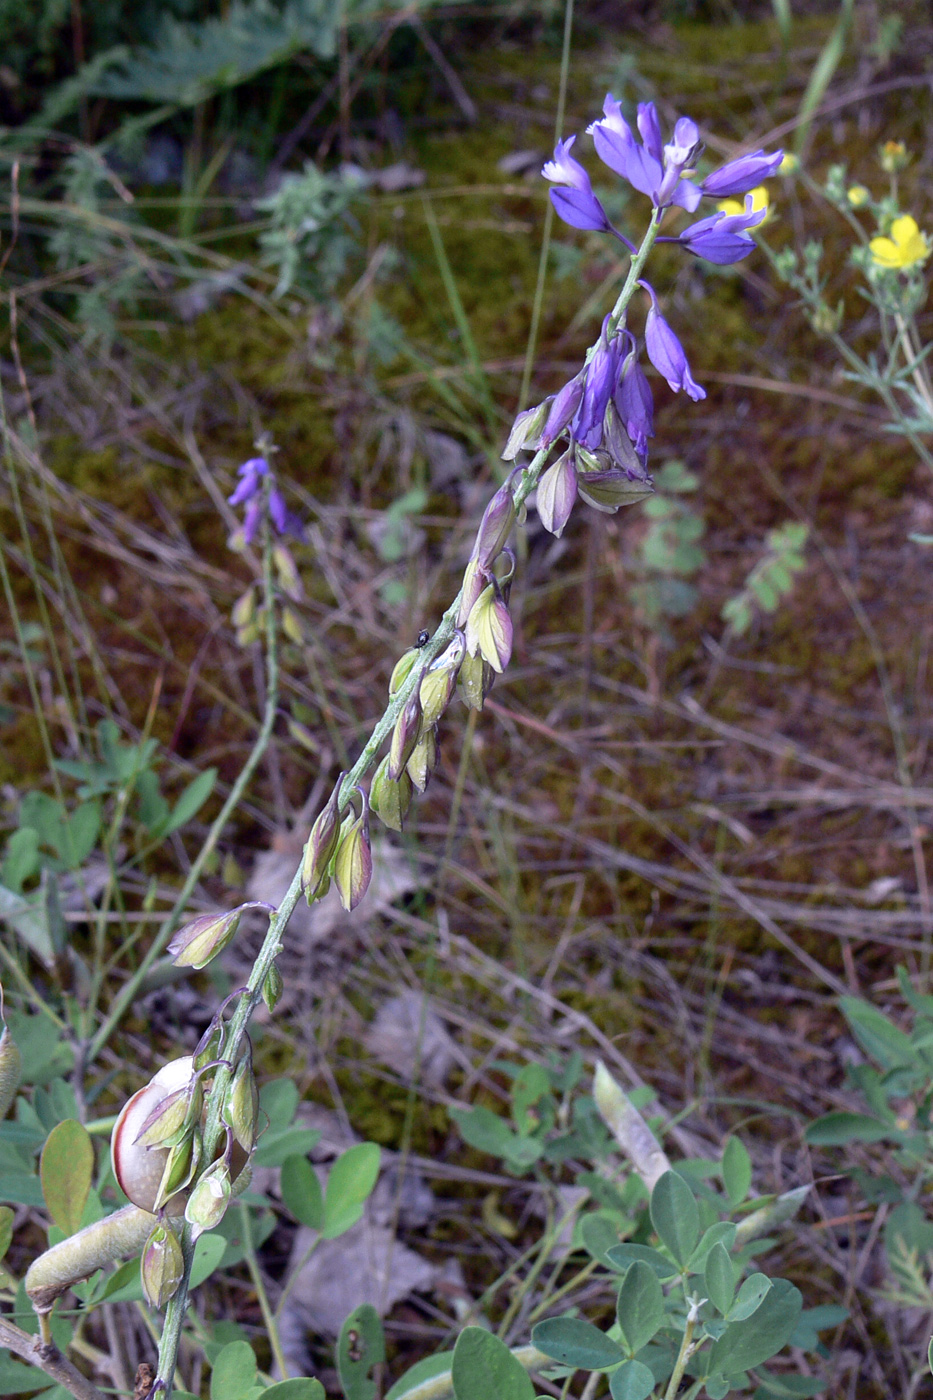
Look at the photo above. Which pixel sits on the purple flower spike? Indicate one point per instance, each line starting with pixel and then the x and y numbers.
pixel 666 352
pixel 576 205
pixel 251 519
pixel 278 510
pixel 251 474
pixel 722 238
pixel 647 168
pixel 650 129
pixel 740 176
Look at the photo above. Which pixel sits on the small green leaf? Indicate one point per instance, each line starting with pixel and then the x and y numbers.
pixel 427 1370
pixel 620 1256
pixel 278 1100
pixel 191 801
pixel 632 1381
pixel 234 1372
pixel 577 1343
pixel 301 1192
pixel 6 1232
pixel 757 1338
pixel 275 1147
pixel 640 1307
pixel 750 1297
pixel 720 1232
pixel 208 1252
pixel 360 1347
pixel 835 1129
pixel 351 1179
pixel 483 1368
pixel 719 1278
pixel 877 1036
pixel 298 1388
pixel 736 1171
pixel 675 1216
pixel 65 1170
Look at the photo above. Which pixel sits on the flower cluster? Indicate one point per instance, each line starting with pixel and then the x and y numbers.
pixel 606 411
pixel 249 492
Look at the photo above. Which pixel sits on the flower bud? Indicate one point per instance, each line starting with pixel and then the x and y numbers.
pixel 181 1164
pixel 287 573
pixel 476 679
pixel 439 681
pixel 405 736
pixel 495 527
pixel 209 1199
pixel 241 1105
pixel 161 1267
pixel 199 942
pixel 390 798
pixel 244 609
pixel 353 863
pixel 474 581
pixel 563 406
pixel 557 492
pixel 402 670
pixel 139 1170
pixel 272 987
pixel 893 157
pixel 423 760
pixel 322 843
pixel 526 430
pixel 11 1070
pixel 489 629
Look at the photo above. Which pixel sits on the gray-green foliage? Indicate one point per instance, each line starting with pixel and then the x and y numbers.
pixel 670 554
pixel 772 578
pixel 310 235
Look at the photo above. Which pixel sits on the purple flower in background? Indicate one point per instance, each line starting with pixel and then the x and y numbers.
pixel 563 406
pixel 741 175
pixel 722 238
pixel 251 474
pixel 666 352
pixel 576 205
pixel 249 493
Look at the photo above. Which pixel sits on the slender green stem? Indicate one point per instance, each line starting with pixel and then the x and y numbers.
pixel 683 1356
pixel 268 1317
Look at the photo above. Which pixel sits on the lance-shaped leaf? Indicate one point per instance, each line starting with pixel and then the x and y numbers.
pixel 557 493
pixel 389 799
pixel 405 736
pixel 489 629
pixel 423 760
pixel 353 863
pixel 161 1266
pixel 322 843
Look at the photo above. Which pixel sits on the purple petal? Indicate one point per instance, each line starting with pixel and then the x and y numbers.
pixel 650 129
pixel 278 509
pixel 580 209
pixel 251 519
pixel 564 406
pixel 667 354
pixel 740 176
pixel 245 491
pixel 623 155
pixel 602 376
pixel 563 169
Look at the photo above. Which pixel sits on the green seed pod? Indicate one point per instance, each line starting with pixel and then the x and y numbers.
pixel 241 1106
pixel 181 1166
pixel 272 987
pixel 244 609
pixel 11 1070
pixel 291 626
pixel 161 1267
pixel 171 1119
pixel 322 843
pixel 139 1170
pixel 440 680
pixel 80 1255
pixel 405 736
pixel 390 800
pixel 402 670
pixel 199 942
pixel 209 1199
pixel 489 629
pixel 353 863
pixel 424 758
pixel 476 679
pixel 287 573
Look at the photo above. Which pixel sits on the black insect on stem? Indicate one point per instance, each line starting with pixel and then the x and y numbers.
pixel 424 636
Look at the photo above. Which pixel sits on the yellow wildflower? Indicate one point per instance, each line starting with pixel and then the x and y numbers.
pixel 737 206
pixel 857 195
pixel 907 246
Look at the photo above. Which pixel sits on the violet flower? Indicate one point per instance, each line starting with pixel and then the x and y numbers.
pixel 576 205
pixel 666 352
pixel 651 169
pixel 634 400
pixel 602 377
pixel 251 474
pixel 722 238
pixel 741 175
pixel 249 493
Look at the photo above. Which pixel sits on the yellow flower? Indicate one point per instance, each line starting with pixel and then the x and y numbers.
pixel 892 156
pixel 907 246
pixel 858 195
pixel 737 206
pixel 789 165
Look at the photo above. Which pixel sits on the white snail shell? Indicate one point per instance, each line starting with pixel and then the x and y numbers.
pixel 138 1169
